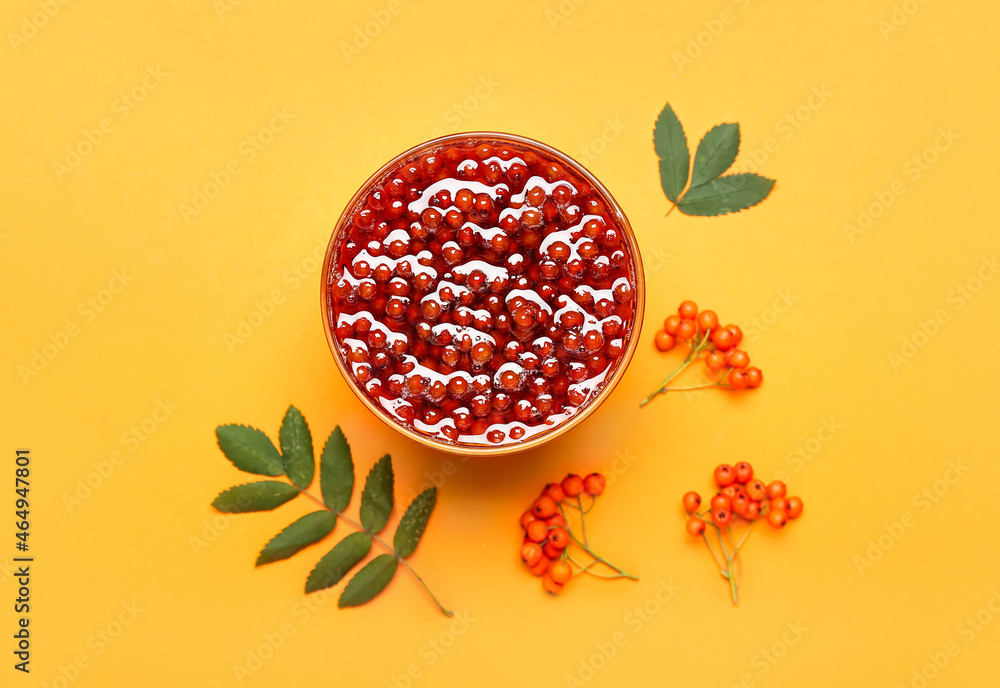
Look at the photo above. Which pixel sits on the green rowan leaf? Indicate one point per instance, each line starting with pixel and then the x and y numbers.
pixel 339 561
pixel 376 498
pixel 671 145
pixel 249 449
pixel 297 448
pixel 414 521
pixel 369 581
pixel 716 153
pixel 336 471
pixel 729 194
pixel 260 496
pixel 307 530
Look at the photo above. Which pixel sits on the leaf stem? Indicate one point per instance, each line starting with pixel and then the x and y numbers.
pixel 388 548
pixel 446 612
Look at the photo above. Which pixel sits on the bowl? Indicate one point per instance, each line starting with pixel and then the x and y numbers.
pixel 483 293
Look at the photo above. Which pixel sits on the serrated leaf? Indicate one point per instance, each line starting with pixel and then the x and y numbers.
pixel 671 145
pixel 339 561
pixel 260 496
pixel 369 581
pixel 716 153
pixel 297 448
pixel 300 534
pixel 729 194
pixel 411 526
pixel 336 471
pixel 249 449
pixel 376 498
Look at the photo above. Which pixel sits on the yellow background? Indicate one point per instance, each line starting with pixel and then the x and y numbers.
pixel 588 78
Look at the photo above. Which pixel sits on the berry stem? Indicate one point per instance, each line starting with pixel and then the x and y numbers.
pixel 728 572
pixel 733 573
pixel 583 520
pixel 692 354
pixel 733 587
pixel 586 569
pixel 717 383
pixel 672 208
pixel 746 534
pixel 601 559
pixel 710 549
pixel 663 385
pixel 384 544
pixel 593 501
pixel 589 551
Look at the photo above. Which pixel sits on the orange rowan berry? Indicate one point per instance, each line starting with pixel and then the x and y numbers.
pixel 664 341
pixel 594 484
pixel 776 488
pixel 724 475
pixel 526 518
pixel 737 378
pixel 686 329
pixel 550 585
pixel 722 517
pixel 688 310
pixel 738 358
pixel 720 501
pixel 707 320
pixel 756 490
pixel 551 551
pixel 561 571
pixel 572 485
pixel 531 553
pixel 555 491
pixel 541 567
pixel 777 519
pixel 538 531
pixel 740 503
pixel 744 472
pixel 794 507
pixel 559 538
pixel 544 507
pixel 715 361
pixel 695 526
pixel 723 339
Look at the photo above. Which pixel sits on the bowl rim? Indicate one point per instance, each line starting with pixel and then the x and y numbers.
pixel 326 307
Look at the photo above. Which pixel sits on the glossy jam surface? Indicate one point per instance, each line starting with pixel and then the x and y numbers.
pixel 482 294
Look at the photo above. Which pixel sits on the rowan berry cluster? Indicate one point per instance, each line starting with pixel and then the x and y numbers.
pixel 710 341
pixel 548 534
pixel 740 502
